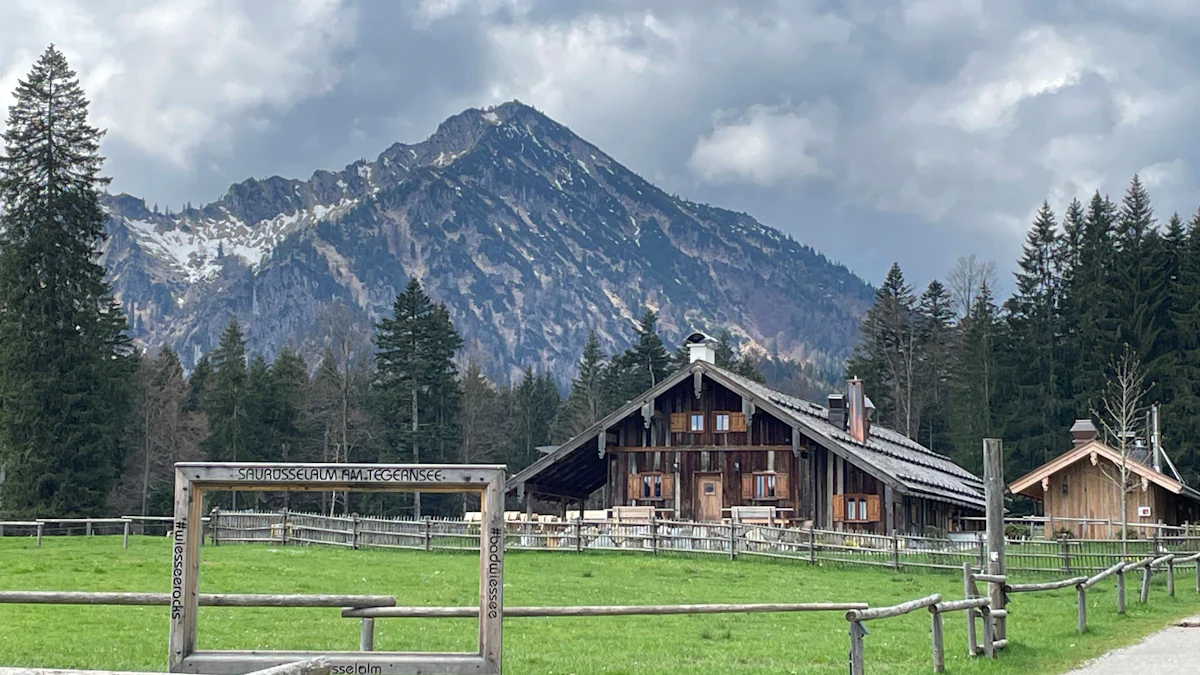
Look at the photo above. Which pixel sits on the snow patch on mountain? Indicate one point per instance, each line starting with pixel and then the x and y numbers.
pixel 194 246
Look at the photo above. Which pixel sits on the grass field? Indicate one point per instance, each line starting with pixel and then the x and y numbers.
pixel 1041 625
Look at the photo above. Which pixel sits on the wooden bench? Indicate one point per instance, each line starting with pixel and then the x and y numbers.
pixel 757 515
pixel 641 514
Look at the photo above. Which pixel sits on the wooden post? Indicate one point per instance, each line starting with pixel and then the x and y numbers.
pixel 125 536
pixel 579 530
pixel 88 527
pixel 39 538
pixel 982 551
pixel 989 635
pixel 1082 623
pixel 283 523
pixel 971 641
pixel 856 648
pixel 812 553
pixel 732 540
pixel 654 534
pixel 1145 595
pixel 214 521
pixel 896 553
pixel 1121 590
pixel 354 531
pixel 1065 554
pixel 993 462
pixel 366 641
pixel 429 534
pixel 1170 578
pixel 1197 567
pixel 935 632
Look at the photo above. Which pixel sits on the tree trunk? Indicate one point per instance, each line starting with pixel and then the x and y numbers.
pixel 416 451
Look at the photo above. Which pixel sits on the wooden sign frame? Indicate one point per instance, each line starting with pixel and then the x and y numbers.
pixel 192 479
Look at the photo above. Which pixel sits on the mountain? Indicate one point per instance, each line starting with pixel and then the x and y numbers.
pixel 529 234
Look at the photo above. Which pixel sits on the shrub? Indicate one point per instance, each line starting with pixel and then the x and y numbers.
pixel 1016 531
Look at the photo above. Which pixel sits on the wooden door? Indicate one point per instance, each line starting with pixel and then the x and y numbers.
pixel 708 498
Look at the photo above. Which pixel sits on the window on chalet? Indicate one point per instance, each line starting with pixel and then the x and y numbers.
pixel 856 508
pixel 721 422
pixel 652 486
pixel 764 485
pixel 697 423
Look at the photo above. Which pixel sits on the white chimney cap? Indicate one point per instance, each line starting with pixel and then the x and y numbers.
pixel 702 351
pixel 699 338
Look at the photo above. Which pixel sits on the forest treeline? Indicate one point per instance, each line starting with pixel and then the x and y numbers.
pixel 953 365
pixel 91 425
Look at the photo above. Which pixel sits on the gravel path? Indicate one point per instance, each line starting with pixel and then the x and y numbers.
pixel 1173 651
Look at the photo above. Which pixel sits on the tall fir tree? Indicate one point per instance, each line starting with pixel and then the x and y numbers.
pixel 1139 282
pixel 532 404
pixel 416 379
pixel 1092 321
pixel 974 382
pixel 887 356
pixel 937 343
pixel 1181 426
pixel 641 366
pixel 586 403
pixel 1038 418
pixel 66 369
pixel 226 405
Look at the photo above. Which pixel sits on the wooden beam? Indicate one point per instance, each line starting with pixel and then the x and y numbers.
pixel 702 448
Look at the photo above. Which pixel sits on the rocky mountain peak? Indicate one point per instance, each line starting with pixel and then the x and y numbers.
pixel 529 234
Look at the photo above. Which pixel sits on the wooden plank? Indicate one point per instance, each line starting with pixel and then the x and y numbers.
pixel 316 477
pixel 1092 581
pixel 207 600
pixel 1046 586
pixel 959 605
pixel 1081 604
pixel 857 615
pixel 317 666
pixel 602 610
pixel 401 663
pixel 491 566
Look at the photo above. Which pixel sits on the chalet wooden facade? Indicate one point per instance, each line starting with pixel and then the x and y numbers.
pixel 1083 484
pixel 706 440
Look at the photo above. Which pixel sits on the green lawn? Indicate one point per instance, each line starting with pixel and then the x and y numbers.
pixel 1041 626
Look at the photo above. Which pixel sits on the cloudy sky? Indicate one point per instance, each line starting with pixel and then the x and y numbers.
pixel 874 130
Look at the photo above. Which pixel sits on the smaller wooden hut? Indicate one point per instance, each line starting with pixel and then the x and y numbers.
pixel 1083 484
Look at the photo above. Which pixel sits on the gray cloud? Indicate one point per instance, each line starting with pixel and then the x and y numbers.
pixel 910 130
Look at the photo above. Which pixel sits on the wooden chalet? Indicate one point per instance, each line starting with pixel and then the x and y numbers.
pixel 1083 484
pixel 706 443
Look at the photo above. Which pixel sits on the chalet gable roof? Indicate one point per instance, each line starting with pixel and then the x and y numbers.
pixel 1100 449
pixel 905 465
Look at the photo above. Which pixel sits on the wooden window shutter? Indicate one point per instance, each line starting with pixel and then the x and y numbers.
pixel 747 486
pixel 872 508
pixel 737 422
pixel 635 486
pixel 668 486
pixel 781 486
pixel 679 422
pixel 839 508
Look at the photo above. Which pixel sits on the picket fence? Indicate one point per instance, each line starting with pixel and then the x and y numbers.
pixel 670 536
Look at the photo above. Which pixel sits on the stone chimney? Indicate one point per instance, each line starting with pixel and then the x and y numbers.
pixel 1082 432
pixel 856 410
pixel 701 347
pixel 837 411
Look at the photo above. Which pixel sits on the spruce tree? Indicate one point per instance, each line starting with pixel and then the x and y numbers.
pixel 66 371
pixel 226 404
pixel 1093 319
pixel 974 383
pixel 886 358
pixel 416 379
pixel 937 344
pixel 1038 419
pixel 1182 426
pixel 534 403
pixel 586 404
pixel 641 366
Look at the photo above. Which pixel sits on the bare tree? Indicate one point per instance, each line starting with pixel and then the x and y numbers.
pixel 481 415
pixel 1122 414
pixel 163 432
pixel 340 387
pixel 967 280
